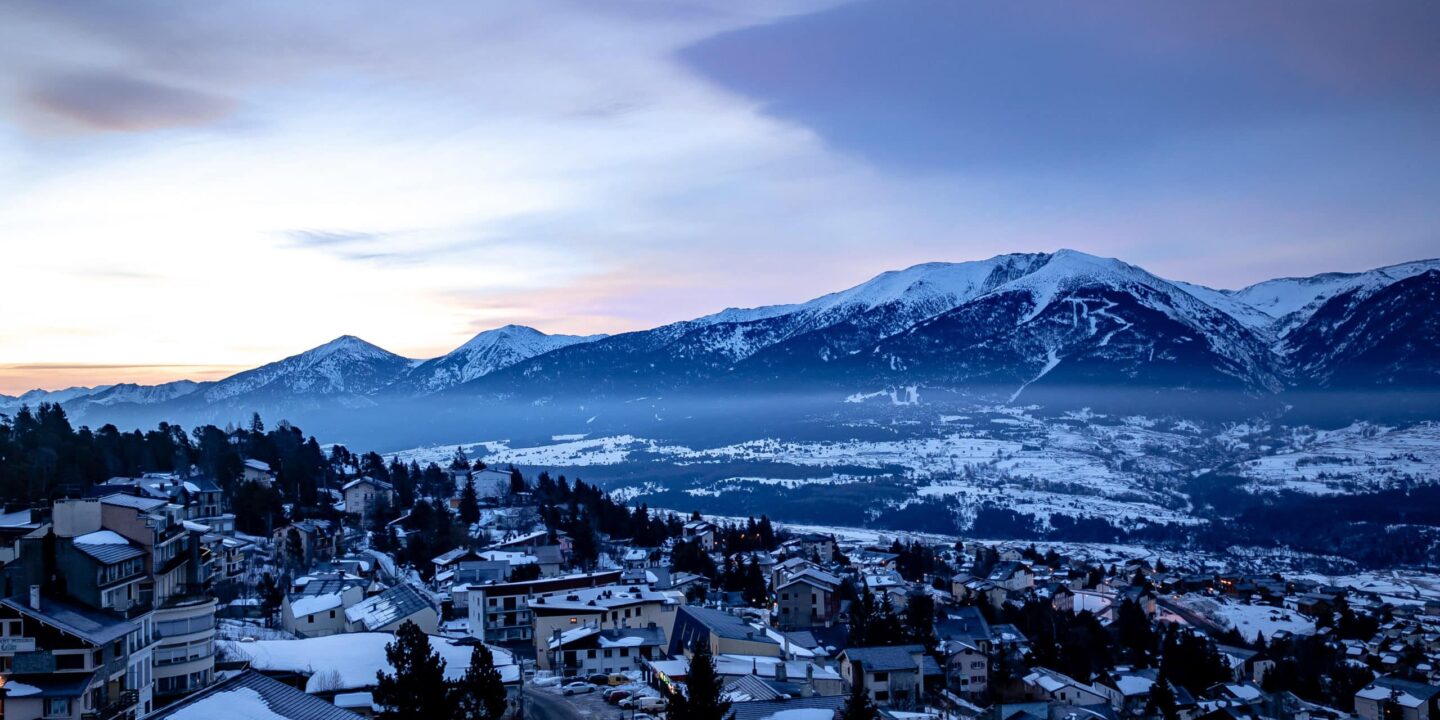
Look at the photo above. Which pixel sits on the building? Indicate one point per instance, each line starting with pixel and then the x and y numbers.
pixel 317 605
pixel 702 532
pixel 68 660
pixel 807 598
pixel 257 471
pixel 1042 684
pixel 726 634
pixel 500 611
pixel 893 677
pixel 317 540
pixel 1013 576
pixel 392 608
pixel 252 695
pixel 604 607
pixel 1390 698
pixel 587 649
pixel 199 495
pixel 362 494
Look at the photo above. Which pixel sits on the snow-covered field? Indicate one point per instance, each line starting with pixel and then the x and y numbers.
pixel 1126 470
pixel 1360 457
pixel 1398 587
pixel 1250 620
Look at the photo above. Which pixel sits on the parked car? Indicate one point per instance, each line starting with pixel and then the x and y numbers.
pixel 577 688
pixel 643 716
pixel 651 704
pixel 619 679
pixel 615 695
pixel 598 679
pixel 648 703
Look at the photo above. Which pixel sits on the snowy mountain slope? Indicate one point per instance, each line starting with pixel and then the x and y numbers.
pixel 9 403
pixel 708 347
pixel 1387 338
pixel 1080 320
pixel 483 354
pixel 346 365
pixel 1291 301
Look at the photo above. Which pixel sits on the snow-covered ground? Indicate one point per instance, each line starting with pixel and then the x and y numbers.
pixel 1250 620
pixel 1398 587
pixel 1360 457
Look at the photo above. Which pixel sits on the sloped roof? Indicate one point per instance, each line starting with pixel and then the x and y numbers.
pixel 885 659
pixel 250 694
pixel 393 605
pixel 90 625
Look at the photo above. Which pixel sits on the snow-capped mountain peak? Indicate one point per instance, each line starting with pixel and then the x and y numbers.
pixel 485 353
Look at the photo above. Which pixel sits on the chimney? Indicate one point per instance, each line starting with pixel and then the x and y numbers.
pixel 781 673
pixel 34 597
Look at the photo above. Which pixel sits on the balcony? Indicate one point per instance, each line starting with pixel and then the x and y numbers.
pixel 123 708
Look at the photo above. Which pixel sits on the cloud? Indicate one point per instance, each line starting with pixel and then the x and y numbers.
pixel 112 102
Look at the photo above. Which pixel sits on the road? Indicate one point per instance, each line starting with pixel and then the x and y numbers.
pixel 542 705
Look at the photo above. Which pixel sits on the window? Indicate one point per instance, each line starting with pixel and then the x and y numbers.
pixel 69 661
pixel 882 695
pixel 57 707
pixel 881 676
pixel 607 652
pixel 332 614
pixel 590 654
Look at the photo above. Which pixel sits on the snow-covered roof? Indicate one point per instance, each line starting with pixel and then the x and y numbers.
pixel 349 661
pixel 311 604
pixel 389 607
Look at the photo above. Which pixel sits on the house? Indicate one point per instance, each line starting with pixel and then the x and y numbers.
pixel 965 642
pixel 392 608
pixel 587 649
pixel 605 606
pixel 252 695
pixel 317 607
pixel 790 677
pixel 812 546
pixel 317 540
pixel 500 611
pixel 894 677
pixel 1245 664
pixel 807 599
pixel 1043 684
pixel 67 660
pixel 1391 698
pixel 1013 576
pixel 701 531
pixel 723 632
pixel 364 493
pixel 257 471
pixel 1129 689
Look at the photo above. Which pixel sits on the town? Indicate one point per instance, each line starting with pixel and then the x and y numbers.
pixel 271 573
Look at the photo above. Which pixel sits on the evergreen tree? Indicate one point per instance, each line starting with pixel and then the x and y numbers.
pixel 271 596
pixel 479 694
pixel 1162 700
pixel 517 481
pixel 418 688
pixel 703 698
pixel 858 705
pixel 754 589
pixel 469 503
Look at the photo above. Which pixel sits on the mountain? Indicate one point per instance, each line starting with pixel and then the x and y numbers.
pixel 344 367
pixel 1062 330
pixel 1290 302
pixel 1001 324
pixel 483 354
pixel 1365 337
pixel 1080 320
pixel 706 349
pixel 11 403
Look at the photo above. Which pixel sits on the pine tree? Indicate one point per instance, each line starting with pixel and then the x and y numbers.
pixel 755 591
pixel 418 688
pixel 517 481
pixel 858 705
pixel 469 503
pixel 703 698
pixel 479 694
pixel 1162 700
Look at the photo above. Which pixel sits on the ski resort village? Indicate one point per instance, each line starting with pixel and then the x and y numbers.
pixel 245 573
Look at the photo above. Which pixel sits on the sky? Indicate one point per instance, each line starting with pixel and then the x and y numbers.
pixel 188 189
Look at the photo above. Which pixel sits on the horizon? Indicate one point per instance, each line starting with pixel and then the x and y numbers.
pixel 189 191
pixel 12 385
